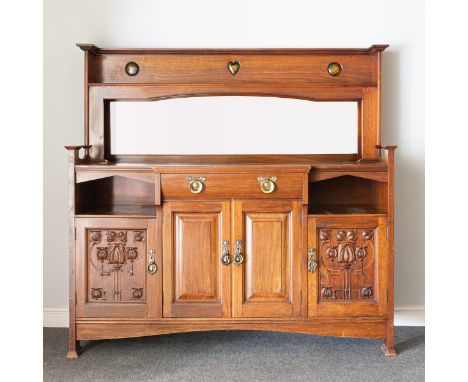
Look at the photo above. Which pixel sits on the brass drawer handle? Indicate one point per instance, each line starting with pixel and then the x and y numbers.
pixel 152 267
pixel 312 261
pixel 238 258
pixel 267 183
pixel 196 185
pixel 226 259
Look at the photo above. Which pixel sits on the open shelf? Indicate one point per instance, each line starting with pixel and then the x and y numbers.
pixel 115 196
pixel 348 195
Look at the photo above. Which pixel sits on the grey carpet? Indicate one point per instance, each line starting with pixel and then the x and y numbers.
pixel 236 356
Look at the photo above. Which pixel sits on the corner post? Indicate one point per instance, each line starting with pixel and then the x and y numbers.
pixel 370 110
pixel 73 159
pixel 388 346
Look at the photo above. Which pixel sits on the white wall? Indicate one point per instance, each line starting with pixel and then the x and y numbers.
pixel 223 24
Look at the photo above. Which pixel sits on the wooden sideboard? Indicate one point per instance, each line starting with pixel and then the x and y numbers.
pixel 175 243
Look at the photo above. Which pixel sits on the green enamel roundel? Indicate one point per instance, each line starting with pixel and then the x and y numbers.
pixel 132 68
pixel 334 69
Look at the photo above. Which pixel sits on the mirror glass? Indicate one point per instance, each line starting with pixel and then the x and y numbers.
pixel 233 125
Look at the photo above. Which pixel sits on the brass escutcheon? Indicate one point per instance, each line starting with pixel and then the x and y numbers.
pixel 238 257
pixel 226 259
pixel 152 267
pixel 312 261
pixel 267 183
pixel 196 185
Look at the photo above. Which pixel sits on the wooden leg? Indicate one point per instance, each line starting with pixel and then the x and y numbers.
pixel 388 346
pixel 74 348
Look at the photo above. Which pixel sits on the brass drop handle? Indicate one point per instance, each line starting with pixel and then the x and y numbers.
pixel 312 261
pixel 238 257
pixel 152 267
pixel 267 183
pixel 196 185
pixel 226 259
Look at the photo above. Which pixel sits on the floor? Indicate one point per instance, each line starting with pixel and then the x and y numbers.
pixel 236 356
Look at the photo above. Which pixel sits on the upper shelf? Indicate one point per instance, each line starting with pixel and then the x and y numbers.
pixel 256 51
pixel 319 67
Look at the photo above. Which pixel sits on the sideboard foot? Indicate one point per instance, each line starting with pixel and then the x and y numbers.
pixel 389 352
pixel 74 350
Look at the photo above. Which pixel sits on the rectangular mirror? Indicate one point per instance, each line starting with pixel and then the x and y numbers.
pixel 233 125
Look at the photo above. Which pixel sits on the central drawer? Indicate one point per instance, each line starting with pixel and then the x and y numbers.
pixel 233 185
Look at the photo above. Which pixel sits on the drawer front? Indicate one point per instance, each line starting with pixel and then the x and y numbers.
pixel 221 186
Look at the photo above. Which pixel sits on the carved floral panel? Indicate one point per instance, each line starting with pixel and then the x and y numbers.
pixel 116 265
pixel 347 264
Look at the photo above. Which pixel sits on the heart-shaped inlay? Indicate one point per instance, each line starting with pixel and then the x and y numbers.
pixel 233 67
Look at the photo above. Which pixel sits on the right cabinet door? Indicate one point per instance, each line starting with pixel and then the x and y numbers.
pixel 347 266
pixel 266 259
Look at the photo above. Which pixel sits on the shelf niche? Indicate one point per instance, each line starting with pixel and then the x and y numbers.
pixel 115 195
pixel 348 194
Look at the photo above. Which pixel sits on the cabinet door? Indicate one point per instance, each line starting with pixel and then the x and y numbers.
pixel 112 280
pixel 267 276
pixel 349 255
pixel 196 283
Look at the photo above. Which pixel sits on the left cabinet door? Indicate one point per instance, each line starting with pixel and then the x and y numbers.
pixel 112 277
pixel 196 259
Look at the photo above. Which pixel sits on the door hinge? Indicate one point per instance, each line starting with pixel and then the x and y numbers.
pixel 76 298
pixel 75 233
pixel 301 296
pixel 387 231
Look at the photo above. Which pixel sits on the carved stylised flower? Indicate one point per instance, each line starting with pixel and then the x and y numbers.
pixel 361 252
pixel 351 235
pixel 111 236
pixel 332 252
pixel 341 235
pixel 327 292
pixel 137 293
pixel 345 254
pixel 96 293
pixel 325 235
pixel 117 254
pixel 132 253
pixel 122 236
pixel 138 235
pixel 367 234
pixel 102 253
pixel 366 292
pixel 96 236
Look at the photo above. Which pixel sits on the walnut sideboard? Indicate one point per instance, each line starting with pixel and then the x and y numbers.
pixel 175 243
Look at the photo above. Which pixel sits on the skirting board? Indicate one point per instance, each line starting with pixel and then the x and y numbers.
pixel 57 316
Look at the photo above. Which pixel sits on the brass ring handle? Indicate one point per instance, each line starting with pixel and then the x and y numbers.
pixel 238 258
pixel 312 261
pixel 152 267
pixel 267 183
pixel 226 259
pixel 196 185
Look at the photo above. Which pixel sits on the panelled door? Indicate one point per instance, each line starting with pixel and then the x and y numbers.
pixel 196 238
pixel 266 241
pixel 112 274
pixel 347 266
